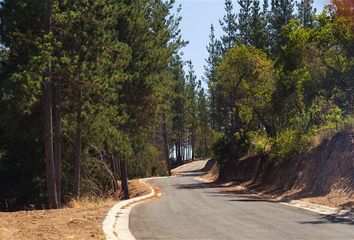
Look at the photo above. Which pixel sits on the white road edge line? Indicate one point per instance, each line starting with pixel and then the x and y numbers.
pixel 116 223
pixel 325 210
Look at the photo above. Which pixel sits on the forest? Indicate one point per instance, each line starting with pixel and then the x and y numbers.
pixel 92 91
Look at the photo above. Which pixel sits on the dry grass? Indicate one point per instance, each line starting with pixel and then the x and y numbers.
pixel 79 219
pixel 86 202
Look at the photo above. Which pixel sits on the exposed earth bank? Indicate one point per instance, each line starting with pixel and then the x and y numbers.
pixel 322 175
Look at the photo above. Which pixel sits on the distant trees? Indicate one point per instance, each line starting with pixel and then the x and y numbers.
pixel 189 115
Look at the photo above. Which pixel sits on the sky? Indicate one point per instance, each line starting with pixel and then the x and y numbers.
pixel 197 16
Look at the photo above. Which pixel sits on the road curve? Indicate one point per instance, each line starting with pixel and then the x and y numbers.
pixel 192 210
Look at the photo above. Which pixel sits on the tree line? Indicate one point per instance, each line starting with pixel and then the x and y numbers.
pixel 279 76
pixel 91 92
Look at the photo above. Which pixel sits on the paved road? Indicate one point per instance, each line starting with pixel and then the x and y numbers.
pixel 191 210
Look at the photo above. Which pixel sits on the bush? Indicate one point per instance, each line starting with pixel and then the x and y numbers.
pixel 231 147
pixel 260 143
pixel 289 143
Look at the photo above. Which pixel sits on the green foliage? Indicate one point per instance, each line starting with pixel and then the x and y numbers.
pixel 289 143
pixel 230 26
pixel 306 12
pixel 260 142
pixel 244 21
pixel 248 81
pixel 111 64
pixel 280 106
pixel 220 148
pixel 149 163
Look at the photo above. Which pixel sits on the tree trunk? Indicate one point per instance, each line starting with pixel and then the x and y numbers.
pixel 57 135
pixel 193 143
pixel 77 163
pixel 178 152
pixel 116 165
pixel 124 178
pixel 204 146
pixel 110 173
pixel 165 143
pixel 48 123
pixel 113 164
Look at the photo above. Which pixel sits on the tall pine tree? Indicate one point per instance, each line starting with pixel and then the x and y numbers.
pixel 280 15
pixel 306 12
pixel 258 29
pixel 245 20
pixel 229 26
pixel 214 50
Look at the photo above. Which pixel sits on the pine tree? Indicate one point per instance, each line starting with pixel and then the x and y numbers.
pixel 306 12
pixel 191 107
pixel 280 15
pixel 258 31
pixel 245 20
pixel 178 107
pixel 229 26
pixel 48 119
pixel 214 50
pixel 203 137
pixel 265 9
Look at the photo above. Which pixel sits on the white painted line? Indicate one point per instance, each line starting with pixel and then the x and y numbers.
pixel 116 223
pixel 315 208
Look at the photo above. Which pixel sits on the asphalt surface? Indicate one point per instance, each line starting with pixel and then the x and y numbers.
pixel 192 210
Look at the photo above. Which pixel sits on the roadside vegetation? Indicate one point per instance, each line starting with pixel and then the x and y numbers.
pixel 92 92
pixel 280 77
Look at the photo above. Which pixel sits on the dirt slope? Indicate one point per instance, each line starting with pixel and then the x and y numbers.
pixel 82 220
pixel 324 174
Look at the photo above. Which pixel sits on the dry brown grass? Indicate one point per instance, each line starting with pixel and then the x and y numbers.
pixel 79 219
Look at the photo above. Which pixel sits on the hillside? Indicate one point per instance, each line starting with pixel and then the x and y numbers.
pixel 323 174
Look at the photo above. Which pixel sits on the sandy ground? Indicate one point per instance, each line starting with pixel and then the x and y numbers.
pixel 82 220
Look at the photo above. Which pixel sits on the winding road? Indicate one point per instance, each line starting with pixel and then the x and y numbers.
pixel 192 210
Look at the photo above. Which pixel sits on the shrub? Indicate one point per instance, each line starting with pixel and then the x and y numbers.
pixel 289 143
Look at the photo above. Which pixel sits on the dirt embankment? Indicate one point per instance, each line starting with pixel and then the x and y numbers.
pixel 79 220
pixel 323 175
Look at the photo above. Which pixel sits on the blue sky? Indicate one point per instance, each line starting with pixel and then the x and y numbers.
pixel 197 16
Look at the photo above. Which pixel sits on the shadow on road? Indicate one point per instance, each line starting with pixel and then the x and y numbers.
pixel 196 186
pixel 190 174
pixel 252 200
pixel 329 219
